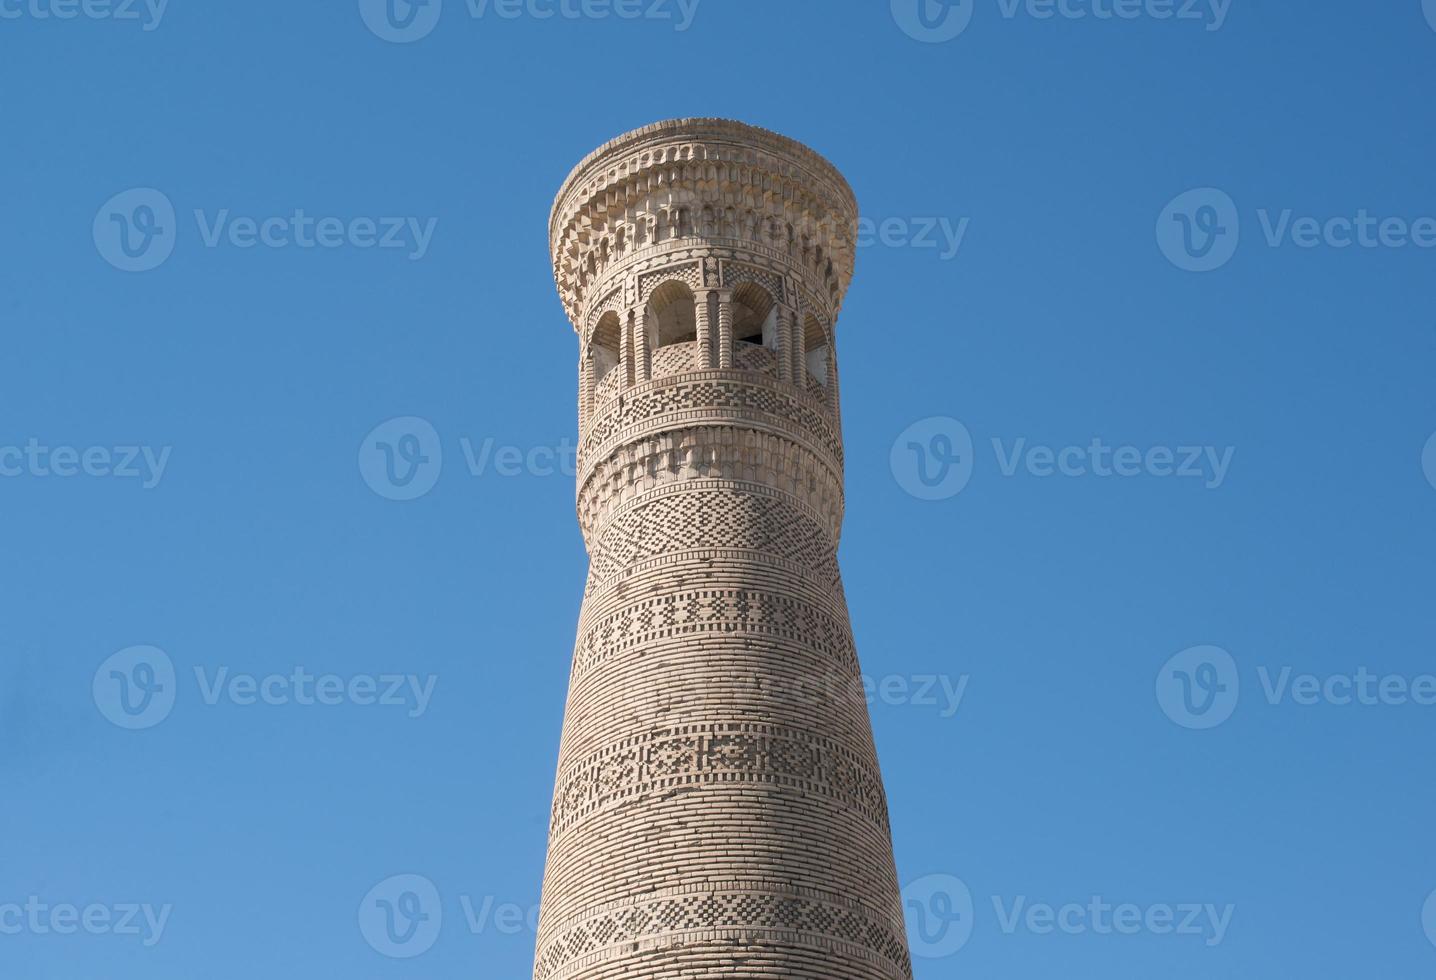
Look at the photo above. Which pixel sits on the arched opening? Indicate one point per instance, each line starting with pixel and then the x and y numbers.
pixel 815 342
pixel 755 316
pixel 673 317
pixel 606 345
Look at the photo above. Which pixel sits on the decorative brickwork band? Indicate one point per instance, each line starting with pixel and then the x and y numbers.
pixel 718 809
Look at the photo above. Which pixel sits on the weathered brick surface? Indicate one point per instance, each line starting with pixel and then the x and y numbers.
pixel 718 809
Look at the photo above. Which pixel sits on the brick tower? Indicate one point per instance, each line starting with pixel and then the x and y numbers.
pixel 718 809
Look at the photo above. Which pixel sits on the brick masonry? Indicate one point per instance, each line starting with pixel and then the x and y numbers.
pixel 718 809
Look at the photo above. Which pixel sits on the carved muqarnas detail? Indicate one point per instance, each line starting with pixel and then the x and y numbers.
pixel 712 397
pixel 712 452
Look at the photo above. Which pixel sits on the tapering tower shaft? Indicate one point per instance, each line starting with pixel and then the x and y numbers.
pixel 719 809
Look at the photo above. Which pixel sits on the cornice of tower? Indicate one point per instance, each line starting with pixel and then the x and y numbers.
pixel 796 185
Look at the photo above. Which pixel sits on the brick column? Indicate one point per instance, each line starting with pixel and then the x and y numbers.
pixel 625 352
pixel 725 328
pixel 586 382
pixel 642 364
pixel 800 350
pixel 785 344
pixel 705 330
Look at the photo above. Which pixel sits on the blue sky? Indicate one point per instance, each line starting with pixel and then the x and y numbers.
pixel 1041 299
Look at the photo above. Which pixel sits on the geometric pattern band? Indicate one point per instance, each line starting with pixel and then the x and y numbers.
pixel 722 754
pixel 743 917
pixel 695 612
pixel 718 518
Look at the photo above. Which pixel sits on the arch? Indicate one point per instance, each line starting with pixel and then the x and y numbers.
pixel 673 315
pixel 815 342
pixel 755 315
pixel 606 344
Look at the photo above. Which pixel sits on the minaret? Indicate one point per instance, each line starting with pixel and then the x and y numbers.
pixel 719 810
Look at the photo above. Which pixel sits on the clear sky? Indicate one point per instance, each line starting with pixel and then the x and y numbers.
pixel 210 412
